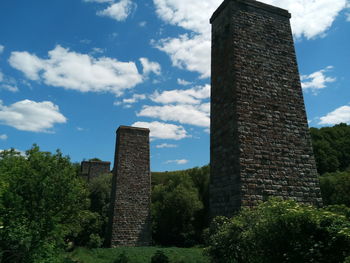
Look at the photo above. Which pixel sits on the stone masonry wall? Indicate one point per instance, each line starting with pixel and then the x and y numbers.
pixel 92 169
pixel 260 143
pixel 129 223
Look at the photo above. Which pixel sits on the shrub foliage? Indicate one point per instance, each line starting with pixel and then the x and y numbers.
pixel 281 231
pixel 42 204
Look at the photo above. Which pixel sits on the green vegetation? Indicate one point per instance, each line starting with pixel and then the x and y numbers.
pixel 281 231
pixel 180 207
pixel 94 230
pixel 42 206
pixel 137 255
pixel 46 208
pixel 331 148
pixel 335 188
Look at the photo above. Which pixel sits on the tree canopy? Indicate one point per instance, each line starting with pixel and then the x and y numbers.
pixel 331 147
pixel 43 203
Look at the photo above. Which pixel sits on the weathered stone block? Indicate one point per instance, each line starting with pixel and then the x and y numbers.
pixel 92 169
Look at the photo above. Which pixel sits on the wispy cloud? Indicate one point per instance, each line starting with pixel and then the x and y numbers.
pixel 183 82
pixel 188 96
pixel 142 23
pixel 3 137
pixel 127 102
pixel 118 11
pixel 6 83
pixel 166 145
pixel 150 67
pixel 2 48
pixel 341 114
pixel 317 80
pixel 179 162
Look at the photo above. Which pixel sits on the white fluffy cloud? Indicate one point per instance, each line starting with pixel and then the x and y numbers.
pixel 310 18
pixel 179 161
pixel 341 114
pixel 185 114
pixel 76 71
pixel 118 11
pixel 188 52
pixel 191 52
pixel 166 145
pixel 159 130
pixel 149 66
pixel 189 96
pixel 187 106
pixel 27 115
pixel 3 137
pixel 1 48
pixel 192 15
pixel 316 80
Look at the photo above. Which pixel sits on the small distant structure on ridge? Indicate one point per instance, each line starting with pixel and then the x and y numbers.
pixel 94 168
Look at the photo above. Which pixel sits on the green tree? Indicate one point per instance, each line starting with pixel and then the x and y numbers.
pixel 335 188
pixel 197 178
pixel 331 147
pixel 99 189
pixel 43 202
pixel 174 207
pixel 281 231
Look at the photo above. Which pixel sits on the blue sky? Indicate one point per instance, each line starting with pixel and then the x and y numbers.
pixel 72 71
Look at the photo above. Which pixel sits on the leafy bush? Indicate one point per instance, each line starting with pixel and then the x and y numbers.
pixel 174 207
pixel 335 188
pixel 42 202
pixel 280 231
pixel 95 223
pixel 180 206
pixel 95 241
pixel 159 257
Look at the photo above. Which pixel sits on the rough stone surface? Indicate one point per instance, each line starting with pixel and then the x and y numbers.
pixel 92 169
pixel 129 223
pixel 260 142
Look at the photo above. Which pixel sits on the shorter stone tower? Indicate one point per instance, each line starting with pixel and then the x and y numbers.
pixel 129 222
pixel 91 169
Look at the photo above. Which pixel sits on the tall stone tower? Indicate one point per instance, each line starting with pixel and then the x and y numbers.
pixel 129 222
pixel 260 143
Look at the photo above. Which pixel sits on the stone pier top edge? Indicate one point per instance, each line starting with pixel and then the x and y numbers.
pixel 122 127
pixel 253 3
pixel 102 162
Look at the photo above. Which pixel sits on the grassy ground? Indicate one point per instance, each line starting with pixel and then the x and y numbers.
pixel 137 255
